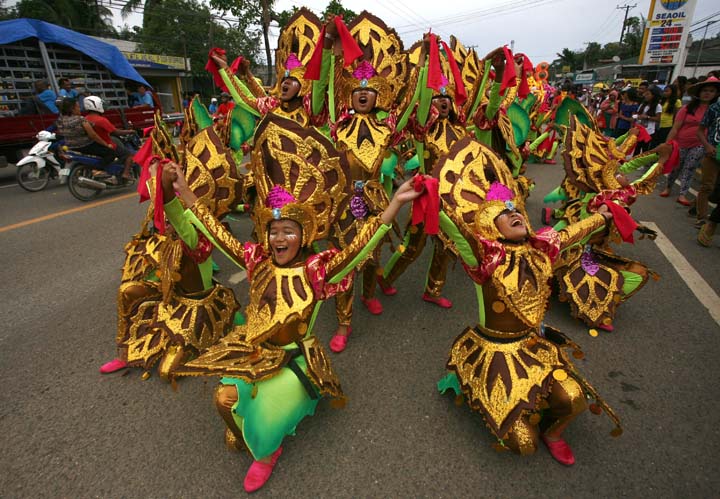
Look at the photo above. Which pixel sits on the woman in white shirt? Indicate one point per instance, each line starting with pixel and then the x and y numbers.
pixel 649 114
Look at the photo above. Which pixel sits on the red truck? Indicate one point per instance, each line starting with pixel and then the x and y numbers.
pixel 32 50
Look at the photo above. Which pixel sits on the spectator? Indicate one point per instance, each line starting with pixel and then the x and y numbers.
pixel 80 135
pixel 45 98
pixel 684 131
pixel 213 106
pixel 628 107
pixel 649 114
pixel 144 97
pixel 66 88
pixel 644 85
pixel 108 133
pixel 709 135
pixel 607 117
pixel 226 105
pixel 670 106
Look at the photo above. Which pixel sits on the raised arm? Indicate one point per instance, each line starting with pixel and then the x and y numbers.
pixel 578 231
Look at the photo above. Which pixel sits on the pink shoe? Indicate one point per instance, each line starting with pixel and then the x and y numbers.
pixel 387 289
pixel 559 450
pixel 550 162
pixel 607 327
pixel 439 300
pixel 339 341
pixel 373 305
pixel 112 366
pixel 260 472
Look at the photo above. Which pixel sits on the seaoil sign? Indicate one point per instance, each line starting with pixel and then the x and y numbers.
pixel 670 15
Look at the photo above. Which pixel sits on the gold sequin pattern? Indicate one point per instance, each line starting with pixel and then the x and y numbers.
pixel 320 369
pixel 298 36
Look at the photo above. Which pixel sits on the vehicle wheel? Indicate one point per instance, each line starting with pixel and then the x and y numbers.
pixel 33 178
pixel 80 192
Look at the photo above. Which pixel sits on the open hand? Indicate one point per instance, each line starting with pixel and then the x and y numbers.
pixel 220 60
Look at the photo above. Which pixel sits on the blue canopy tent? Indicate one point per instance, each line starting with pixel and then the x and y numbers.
pixel 103 53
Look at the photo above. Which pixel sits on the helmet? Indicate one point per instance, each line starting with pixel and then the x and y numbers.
pixel 94 103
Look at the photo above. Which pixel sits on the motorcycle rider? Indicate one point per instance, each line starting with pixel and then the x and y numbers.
pixel 108 132
pixel 79 133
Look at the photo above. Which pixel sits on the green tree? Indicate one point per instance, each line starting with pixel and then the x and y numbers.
pixel 336 7
pixel 85 16
pixel 567 58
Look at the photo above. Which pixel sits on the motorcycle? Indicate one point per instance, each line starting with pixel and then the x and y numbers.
pixel 87 178
pixel 42 164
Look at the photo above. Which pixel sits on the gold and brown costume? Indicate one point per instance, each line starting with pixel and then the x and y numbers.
pixel 510 367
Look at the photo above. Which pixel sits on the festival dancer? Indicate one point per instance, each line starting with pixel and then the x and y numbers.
pixel 169 308
pixel 274 369
pixel 366 121
pixel 511 367
pixel 592 277
pixel 294 96
pixel 437 123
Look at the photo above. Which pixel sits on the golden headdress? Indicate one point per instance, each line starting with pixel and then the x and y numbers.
pixel 591 160
pixel 299 175
pixel 466 174
pixel 383 66
pixel 449 87
pixel 211 172
pixel 162 141
pixel 295 48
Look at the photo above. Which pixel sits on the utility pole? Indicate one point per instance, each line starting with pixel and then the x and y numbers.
pixel 627 9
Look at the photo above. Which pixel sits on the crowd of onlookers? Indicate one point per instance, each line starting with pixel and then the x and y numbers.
pixel 686 113
pixel 46 101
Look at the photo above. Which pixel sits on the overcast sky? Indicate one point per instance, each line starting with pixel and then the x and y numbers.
pixel 540 28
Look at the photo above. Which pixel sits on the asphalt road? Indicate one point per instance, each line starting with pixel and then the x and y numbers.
pixel 67 431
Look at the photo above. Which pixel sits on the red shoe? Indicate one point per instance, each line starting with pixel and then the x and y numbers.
pixel 607 327
pixel 437 300
pixel 387 289
pixel 546 216
pixel 684 201
pixel 373 305
pixel 559 450
pixel 665 193
pixel 113 366
pixel 339 341
pixel 259 472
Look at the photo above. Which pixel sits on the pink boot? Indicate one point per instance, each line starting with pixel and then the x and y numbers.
pixel 559 450
pixel 437 300
pixel 259 472
pixel 373 305
pixel 339 341
pixel 112 366
pixel 387 288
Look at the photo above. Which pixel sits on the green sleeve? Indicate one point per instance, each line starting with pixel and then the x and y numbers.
pixel 481 90
pixel 638 162
pixel 233 83
pixel 188 233
pixel 495 101
pixel 361 247
pixel 319 87
pixel 463 247
pixel 221 238
pixel 621 139
pixel 557 194
pixel 175 212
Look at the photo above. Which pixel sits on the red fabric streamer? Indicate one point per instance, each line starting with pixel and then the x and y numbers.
pixel 434 78
pixel 524 89
pixel 623 221
pixel 643 136
pixel 674 159
pixel 426 208
pixel 351 49
pixel 143 158
pixel 509 74
pixel 213 69
pixel 159 208
pixel 460 91
pixel 312 70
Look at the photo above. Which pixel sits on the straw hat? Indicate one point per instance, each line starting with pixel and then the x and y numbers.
pixel 694 90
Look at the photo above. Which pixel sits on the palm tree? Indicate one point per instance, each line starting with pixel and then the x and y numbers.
pixel 85 16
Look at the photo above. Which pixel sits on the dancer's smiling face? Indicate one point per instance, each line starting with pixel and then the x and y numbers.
pixel 443 104
pixel 363 100
pixel 284 237
pixel 511 225
pixel 289 89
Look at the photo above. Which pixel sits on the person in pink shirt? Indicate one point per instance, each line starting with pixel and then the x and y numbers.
pixel 684 131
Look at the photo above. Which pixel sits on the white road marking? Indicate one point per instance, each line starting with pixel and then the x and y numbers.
pixel 238 277
pixel 700 288
pixel 8 186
